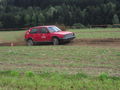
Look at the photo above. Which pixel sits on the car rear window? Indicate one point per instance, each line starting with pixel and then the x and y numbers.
pixel 34 31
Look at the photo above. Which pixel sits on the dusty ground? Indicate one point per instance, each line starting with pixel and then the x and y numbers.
pixel 115 42
pixel 12 44
pixel 96 42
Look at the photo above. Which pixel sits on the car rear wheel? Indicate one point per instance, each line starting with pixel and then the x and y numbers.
pixel 30 42
pixel 55 41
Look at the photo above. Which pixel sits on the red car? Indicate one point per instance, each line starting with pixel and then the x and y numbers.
pixel 47 34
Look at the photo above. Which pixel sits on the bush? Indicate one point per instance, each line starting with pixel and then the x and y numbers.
pixel 29 74
pixel 14 73
pixel 103 76
pixel 78 25
pixel 116 26
pixel 81 75
pixel 61 26
pixel 109 26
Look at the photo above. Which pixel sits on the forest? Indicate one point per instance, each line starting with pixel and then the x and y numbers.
pixel 23 13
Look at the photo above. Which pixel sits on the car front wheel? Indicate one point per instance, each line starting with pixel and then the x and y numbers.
pixel 55 41
pixel 30 42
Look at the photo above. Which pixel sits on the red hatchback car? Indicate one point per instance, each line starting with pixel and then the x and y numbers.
pixel 47 34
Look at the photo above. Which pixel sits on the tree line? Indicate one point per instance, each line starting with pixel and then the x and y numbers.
pixel 22 13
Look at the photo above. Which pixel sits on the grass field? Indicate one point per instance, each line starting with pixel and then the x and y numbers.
pixel 10 36
pixel 65 59
pixel 12 80
pixel 97 33
pixel 60 67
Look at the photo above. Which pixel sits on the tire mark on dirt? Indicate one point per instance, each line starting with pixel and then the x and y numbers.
pixel 92 70
pixel 78 42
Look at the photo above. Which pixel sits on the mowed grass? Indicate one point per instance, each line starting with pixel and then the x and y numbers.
pixel 98 33
pixel 63 59
pixel 95 29
pixel 13 36
pixel 60 67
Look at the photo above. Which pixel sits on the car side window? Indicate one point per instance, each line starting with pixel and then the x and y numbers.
pixel 43 30
pixel 34 31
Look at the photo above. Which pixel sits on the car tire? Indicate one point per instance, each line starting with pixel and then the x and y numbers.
pixel 30 42
pixel 56 41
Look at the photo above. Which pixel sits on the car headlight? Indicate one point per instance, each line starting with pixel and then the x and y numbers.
pixel 65 36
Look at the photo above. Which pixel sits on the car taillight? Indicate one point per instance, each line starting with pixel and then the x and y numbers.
pixel 27 33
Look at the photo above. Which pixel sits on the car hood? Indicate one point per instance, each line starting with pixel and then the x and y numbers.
pixel 63 32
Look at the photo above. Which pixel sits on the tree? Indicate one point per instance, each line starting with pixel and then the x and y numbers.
pixel 116 19
pixel 27 19
pixel 41 19
pixel 19 13
pixel 1 25
pixel 34 20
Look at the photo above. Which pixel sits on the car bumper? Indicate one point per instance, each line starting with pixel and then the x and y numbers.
pixel 67 39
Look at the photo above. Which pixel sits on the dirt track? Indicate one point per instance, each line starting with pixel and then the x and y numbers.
pixel 96 42
pixel 88 69
pixel 78 42
pixel 13 44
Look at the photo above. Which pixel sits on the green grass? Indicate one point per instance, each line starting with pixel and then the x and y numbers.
pixel 60 67
pixel 63 59
pixel 101 35
pixel 10 36
pixel 56 81
pixel 95 29
pixel 97 33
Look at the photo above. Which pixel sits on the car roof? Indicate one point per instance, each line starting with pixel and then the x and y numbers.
pixel 43 26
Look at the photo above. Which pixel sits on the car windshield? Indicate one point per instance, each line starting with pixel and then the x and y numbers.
pixel 54 29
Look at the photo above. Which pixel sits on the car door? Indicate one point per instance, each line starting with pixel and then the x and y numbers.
pixel 45 35
pixel 35 35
